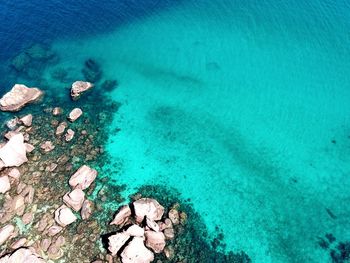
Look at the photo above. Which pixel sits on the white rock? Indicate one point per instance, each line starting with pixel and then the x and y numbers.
pixel 5 233
pixel 115 242
pixel 14 173
pixel 18 97
pixel 148 207
pixel 69 135
pixel 75 114
pixel 136 252
pixel 78 88
pixel 155 241
pixel 27 120
pixel 23 255
pixel 122 216
pixel 64 216
pixel 135 231
pixel 4 184
pixel 14 151
pixel 83 178
pixel 29 147
pixel 74 199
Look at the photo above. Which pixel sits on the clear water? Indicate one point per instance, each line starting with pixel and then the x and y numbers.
pixel 243 106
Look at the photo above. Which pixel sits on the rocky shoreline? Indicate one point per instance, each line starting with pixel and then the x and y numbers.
pixel 58 203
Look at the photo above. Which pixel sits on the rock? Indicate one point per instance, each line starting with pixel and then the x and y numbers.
pixel 14 151
pixel 47 146
pixel 23 255
pixel 148 207
pixel 29 147
pixel 54 230
pixel 27 120
pixel 4 184
pixel 74 199
pixel 17 205
pixel 122 216
pixel 27 218
pixel 83 178
pixel 6 233
pixel 115 242
pixel 54 252
pixel 169 252
pixel 152 224
pixel 135 231
pixel 57 111
pixel 19 243
pixel 52 167
pixel 11 124
pixel 14 173
pixel 136 252
pixel 61 128
pixel 8 135
pixel 174 216
pixel 92 71
pixel 75 114
pixel 169 233
pixel 64 216
pixel 19 96
pixel 109 85
pixel 69 135
pixel 86 210
pixel 155 241
pixel 45 244
pixel 78 88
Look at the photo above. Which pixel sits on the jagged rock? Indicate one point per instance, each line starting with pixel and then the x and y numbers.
pixel 115 242
pixel 69 135
pixel 27 120
pixel 74 199
pixel 135 231
pixel 155 241
pixel 4 184
pixel 19 96
pixel 78 88
pixel 83 178
pixel 64 216
pixel 6 233
pixel 47 146
pixel 14 151
pixel 122 216
pixel 148 207
pixel 152 224
pixel 61 128
pixel 57 111
pixel 22 255
pixel 136 252
pixel 86 210
pixel 75 114
pixel 29 147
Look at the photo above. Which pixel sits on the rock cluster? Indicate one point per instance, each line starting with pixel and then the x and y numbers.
pixel 19 96
pixel 145 231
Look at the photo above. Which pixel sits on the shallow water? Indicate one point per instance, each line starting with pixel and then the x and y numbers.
pixel 241 106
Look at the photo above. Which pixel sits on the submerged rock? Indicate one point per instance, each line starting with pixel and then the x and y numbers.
pixel 92 71
pixel 64 216
pixel 69 135
pixel 147 207
pixel 109 85
pixel 78 88
pixel 61 128
pixel 57 111
pixel 86 210
pixel 47 146
pixel 19 96
pixel 75 114
pixel 83 178
pixel 14 151
pixel 136 252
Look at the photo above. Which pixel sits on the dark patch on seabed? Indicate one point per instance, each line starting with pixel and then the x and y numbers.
pixel 192 242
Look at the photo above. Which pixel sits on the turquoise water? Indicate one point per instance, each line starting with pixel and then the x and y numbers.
pixel 241 106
